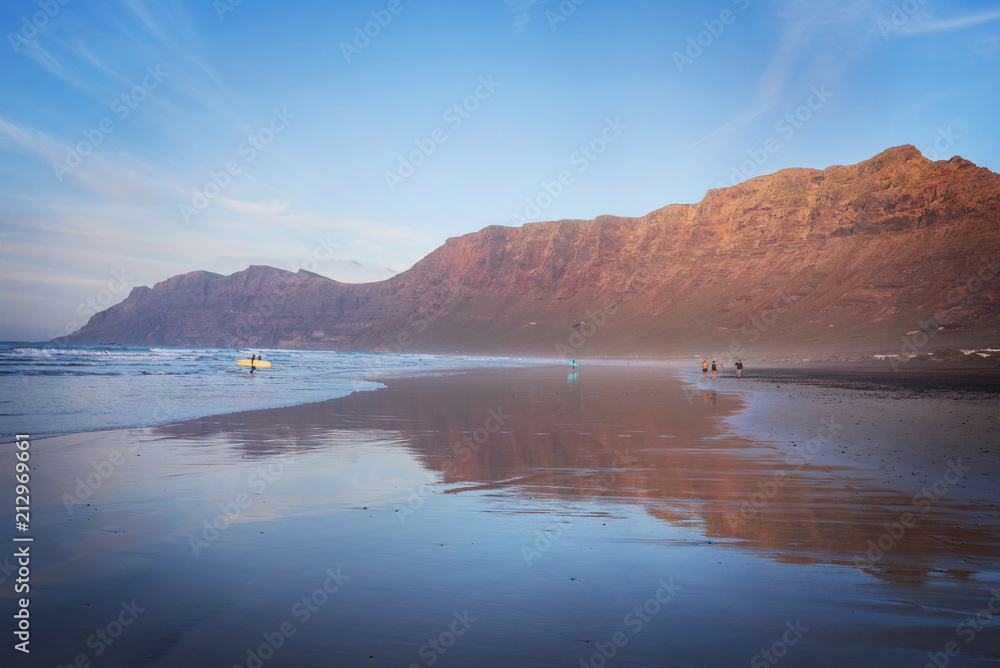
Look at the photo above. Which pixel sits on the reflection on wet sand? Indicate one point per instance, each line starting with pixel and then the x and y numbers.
pixel 636 437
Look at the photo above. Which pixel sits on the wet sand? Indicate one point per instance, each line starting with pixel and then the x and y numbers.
pixel 536 517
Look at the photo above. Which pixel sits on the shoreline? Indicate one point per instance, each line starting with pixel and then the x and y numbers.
pixel 901 431
pixel 149 408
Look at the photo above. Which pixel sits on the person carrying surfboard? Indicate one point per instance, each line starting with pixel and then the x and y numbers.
pixel 256 362
pixel 252 358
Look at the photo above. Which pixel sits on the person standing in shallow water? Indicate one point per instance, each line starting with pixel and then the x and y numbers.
pixel 252 358
pixel 704 369
pixel 739 369
pixel 714 368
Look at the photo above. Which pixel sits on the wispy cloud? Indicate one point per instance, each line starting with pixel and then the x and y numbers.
pixel 818 42
pixel 28 138
pixel 86 55
pixel 917 27
pixel 48 62
pixel 118 176
pixel 273 212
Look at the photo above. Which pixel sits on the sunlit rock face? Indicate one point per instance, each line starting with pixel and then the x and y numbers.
pixel 849 258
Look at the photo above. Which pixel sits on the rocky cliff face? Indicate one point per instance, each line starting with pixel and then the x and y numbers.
pixel 844 259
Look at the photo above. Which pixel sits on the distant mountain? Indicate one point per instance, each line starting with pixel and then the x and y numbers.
pixel 850 258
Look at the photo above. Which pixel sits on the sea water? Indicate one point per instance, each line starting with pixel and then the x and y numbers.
pixel 47 389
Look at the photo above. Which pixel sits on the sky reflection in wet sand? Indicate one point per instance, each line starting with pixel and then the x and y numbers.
pixel 496 518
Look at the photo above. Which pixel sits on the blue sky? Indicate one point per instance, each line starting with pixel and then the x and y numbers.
pixel 139 140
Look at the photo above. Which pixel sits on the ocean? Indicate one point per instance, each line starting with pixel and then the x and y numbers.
pixel 50 390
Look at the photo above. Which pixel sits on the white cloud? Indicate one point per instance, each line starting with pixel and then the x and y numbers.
pixel 818 42
pixel 918 27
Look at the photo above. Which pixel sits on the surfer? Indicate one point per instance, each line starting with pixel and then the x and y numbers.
pixel 252 358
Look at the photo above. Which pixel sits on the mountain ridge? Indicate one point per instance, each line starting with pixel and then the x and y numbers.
pixel 841 259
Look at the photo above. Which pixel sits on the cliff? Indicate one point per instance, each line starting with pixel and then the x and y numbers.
pixel 849 258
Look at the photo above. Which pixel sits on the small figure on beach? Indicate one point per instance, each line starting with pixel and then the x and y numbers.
pixel 739 369
pixel 714 369
pixel 704 368
pixel 252 358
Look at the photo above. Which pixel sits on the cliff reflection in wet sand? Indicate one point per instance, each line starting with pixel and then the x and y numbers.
pixel 638 436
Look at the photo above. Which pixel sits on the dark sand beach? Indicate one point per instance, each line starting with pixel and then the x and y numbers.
pixel 633 516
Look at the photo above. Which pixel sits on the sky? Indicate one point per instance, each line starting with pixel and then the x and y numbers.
pixel 144 139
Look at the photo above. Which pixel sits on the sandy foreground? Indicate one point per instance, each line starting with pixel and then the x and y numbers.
pixel 633 516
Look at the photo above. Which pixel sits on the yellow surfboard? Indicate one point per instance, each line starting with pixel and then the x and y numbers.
pixel 253 363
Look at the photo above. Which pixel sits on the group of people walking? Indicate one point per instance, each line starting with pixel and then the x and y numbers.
pixel 717 366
